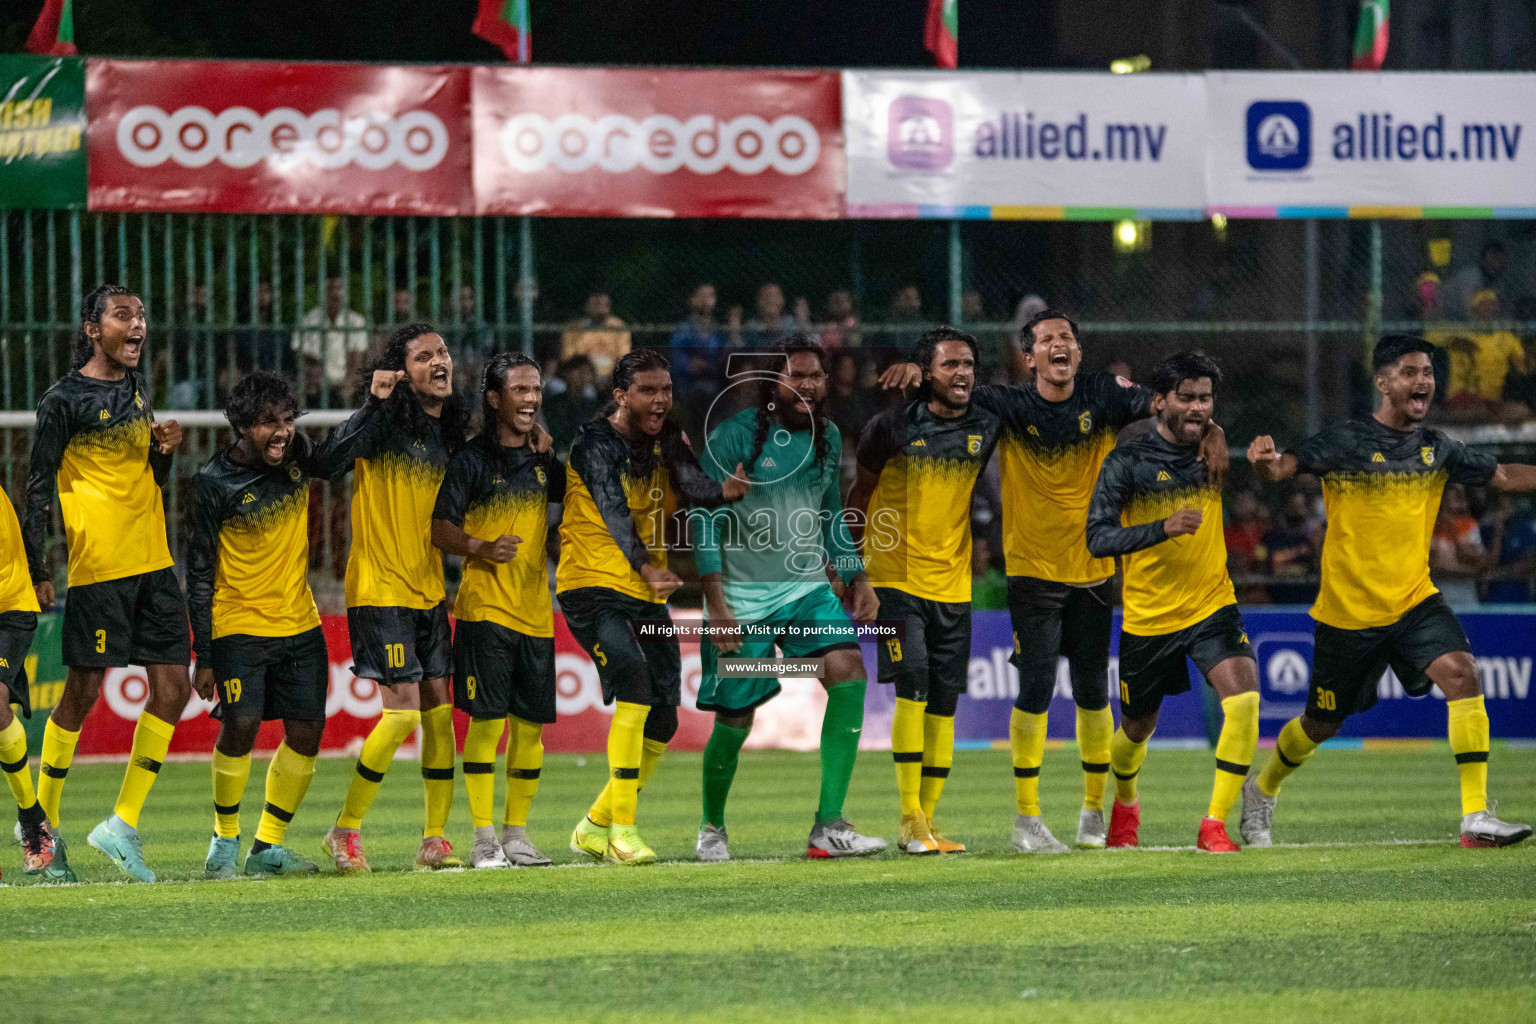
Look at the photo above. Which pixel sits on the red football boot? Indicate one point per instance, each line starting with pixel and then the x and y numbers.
pixel 1213 838
pixel 1124 823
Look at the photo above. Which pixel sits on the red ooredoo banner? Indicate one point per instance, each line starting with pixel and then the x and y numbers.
pixel 255 137
pixel 604 142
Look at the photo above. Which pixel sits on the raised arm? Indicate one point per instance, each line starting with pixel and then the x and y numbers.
pixel 1512 476
pixel 1268 464
pixel 356 437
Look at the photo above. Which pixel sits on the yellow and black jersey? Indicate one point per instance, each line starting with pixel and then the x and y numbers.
pixel 491 491
pixel 93 443
pixel 1050 454
pixel 395 477
pixel 248 563
pixel 618 496
pixel 1381 489
pixel 16 593
pixel 1170 582
pixel 917 537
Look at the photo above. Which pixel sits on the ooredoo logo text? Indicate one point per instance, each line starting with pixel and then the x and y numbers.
pixel 240 137
pixel 660 144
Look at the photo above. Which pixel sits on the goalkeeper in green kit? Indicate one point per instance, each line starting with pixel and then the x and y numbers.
pixel 763 563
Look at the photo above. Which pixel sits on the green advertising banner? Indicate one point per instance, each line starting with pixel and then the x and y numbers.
pixel 45 672
pixel 42 132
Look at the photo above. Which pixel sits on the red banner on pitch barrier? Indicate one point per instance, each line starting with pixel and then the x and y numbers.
pixel 257 137
pixel 613 142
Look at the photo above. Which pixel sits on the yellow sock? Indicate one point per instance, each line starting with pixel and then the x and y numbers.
pixel 378 751
pixel 626 739
pixel 601 811
pixel 437 767
pixel 1469 742
pixel 1125 758
pixel 1094 729
pixel 907 752
pixel 229 778
pixel 1026 735
pixel 288 778
pixel 1234 751
pixel 1292 748
pixel 938 756
pixel 525 759
pixel 650 756
pixel 58 751
pixel 151 740
pixel 480 744
pixel 13 760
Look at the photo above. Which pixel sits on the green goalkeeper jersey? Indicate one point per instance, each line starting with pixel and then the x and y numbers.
pixel 773 545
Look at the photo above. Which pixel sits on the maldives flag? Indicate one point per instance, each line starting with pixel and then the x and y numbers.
pixel 54 33
pixel 1371 36
pixel 941 36
pixel 504 22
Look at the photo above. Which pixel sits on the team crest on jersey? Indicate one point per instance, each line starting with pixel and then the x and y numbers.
pixel 293 473
pixel 1085 422
pixel 538 474
pixel 1428 455
pixel 249 497
pixel 1377 458
pixel 973 443
pixel 1162 476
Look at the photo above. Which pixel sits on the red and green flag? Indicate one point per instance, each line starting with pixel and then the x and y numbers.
pixel 1371 36
pixel 505 23
pixel 941 36
pixel 54 33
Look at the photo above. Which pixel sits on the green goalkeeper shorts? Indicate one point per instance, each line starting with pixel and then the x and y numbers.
pixel 810 626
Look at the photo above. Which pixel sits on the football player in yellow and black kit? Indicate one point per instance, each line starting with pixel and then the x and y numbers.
pixel 398 444
pixel 98 443
pixel 18 621
pixel 628 468
pixel 1382 482
pixel 492 509
pixel 1056 431
pixel 917 467
pixel 1155 506
pixel 255 628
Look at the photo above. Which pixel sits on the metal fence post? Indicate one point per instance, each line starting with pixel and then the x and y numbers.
pixel 956 275
pixel 525 281
pixel 1373 295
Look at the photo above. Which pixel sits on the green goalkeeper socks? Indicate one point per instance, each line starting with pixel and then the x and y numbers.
pixel 840 728
pixel 721 755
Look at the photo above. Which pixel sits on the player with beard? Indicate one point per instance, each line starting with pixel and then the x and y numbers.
pixel 627 468
pixel 763 563
pixel 399 444
pixel 917 467
pixel 1056 431
pixel 493 510
pixel 256 630
pixel 1382 482
pixel 97 442
pixel 1154 506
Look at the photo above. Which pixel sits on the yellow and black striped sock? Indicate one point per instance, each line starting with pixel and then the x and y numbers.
pixel 1026 737
pixel 1094 729
pixel 151 741
pixel 1292 748
pixel 437 767
pixel 1125 758
pixel 378 751
pixel 1468 727
pixel 288 779
pixel 938 757
pixel 13 761
pixel 907 752
pixel 480 744
pixel 525 760
pixel 626 741
pixel 601 812
pixel 1234 751
pixel 229 778
pixel 58 751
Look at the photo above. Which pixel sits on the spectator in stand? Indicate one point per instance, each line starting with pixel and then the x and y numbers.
pixel 261 346
pixel 1509 538
pixel 906 319
pixel 1289 551
pixel 698 348
pixel 1247 522
pixel 850 404
pixel 472 341
pixel 572 397
pixel 402 310
pixel 989 587
pixel 597 334
pixel 1487 272
pixel 841 327
pixel 1480 363
pixel 182 365
pixel 1018 363
pixel 332 344
pixel 1456 552
pixel 770 324
pixel 994 349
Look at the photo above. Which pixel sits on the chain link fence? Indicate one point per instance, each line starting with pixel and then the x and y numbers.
pixel 1289 308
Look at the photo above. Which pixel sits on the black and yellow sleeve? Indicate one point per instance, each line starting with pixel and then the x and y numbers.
pixel 359 437
pixel 599 462
pixel 1121 401
pixel 48 443
pixel 1464 465
pixel 463 482
pixel 1113 490
pixel 202 562
pixel 690 481
pixel 554 472
pixel 882 440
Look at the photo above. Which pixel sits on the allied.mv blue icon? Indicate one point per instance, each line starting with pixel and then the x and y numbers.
pixel 1279 135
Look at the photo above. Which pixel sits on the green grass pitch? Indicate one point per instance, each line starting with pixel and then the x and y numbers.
pixel 1377 915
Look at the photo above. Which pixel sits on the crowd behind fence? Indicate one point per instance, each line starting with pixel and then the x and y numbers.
pixel 1289 309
